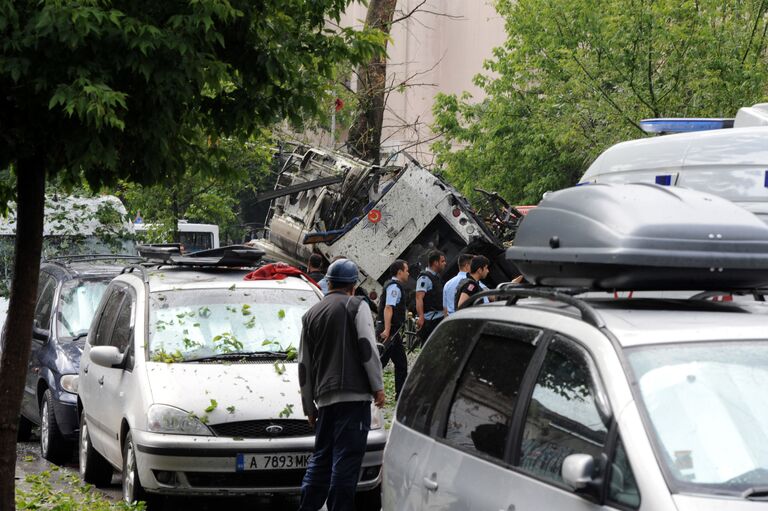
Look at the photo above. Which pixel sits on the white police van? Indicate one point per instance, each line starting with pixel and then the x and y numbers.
pixel 724 157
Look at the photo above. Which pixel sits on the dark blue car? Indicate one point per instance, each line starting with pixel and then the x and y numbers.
pixel 68 294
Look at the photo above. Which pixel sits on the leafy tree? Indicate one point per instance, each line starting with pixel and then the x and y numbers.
pixel 575 76
pixel 365 134
pixel 136 90
pixel 198 196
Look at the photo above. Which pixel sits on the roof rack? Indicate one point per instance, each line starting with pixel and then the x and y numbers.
pixel 232 256
pixel 134 268
pixel 77 258
pixel 757 294
pixel 512 295
pixel 162 252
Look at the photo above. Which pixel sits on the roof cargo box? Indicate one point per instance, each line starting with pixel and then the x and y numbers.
pixel 641 237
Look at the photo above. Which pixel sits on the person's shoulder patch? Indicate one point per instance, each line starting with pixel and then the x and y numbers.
pixel 471 287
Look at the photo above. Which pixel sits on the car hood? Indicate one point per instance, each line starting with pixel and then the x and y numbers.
pixel 241 391
pixel 68 356
pixel 717 503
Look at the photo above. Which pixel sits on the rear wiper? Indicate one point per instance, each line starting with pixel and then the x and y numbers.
pixel 245 355
pixel 755 493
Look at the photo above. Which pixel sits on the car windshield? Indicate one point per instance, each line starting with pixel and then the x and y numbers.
pixel 77 305
pixel 708 408
pixel 187 325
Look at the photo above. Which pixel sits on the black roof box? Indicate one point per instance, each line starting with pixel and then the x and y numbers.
pixel 641 237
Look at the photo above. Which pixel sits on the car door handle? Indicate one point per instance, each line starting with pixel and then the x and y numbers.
pixel 101 380
pixel 430 484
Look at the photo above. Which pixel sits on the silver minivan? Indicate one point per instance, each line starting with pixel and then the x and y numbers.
pixel 564 403
pixel 189 386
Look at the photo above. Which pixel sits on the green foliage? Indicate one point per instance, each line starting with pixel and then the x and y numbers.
pixel 143 90
pixel 214 404
pixel 575 76
pixel 286 412
pixel 163 356
pixel 65 493
pixel 226 342
pixel 241 171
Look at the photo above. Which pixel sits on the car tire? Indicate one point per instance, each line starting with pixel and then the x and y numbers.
pixel 24 433
pixel 53 446
pixel 133 491
pixel 94 468
pixel 368 500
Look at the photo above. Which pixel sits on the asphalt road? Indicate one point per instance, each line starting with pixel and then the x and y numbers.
pixel 30 462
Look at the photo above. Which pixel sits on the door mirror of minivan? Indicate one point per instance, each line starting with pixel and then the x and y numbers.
pixel 40 334
pixel 106 356
pixel 579 471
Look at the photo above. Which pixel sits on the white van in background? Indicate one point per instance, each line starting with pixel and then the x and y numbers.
pixel 729 162
pixel 193 237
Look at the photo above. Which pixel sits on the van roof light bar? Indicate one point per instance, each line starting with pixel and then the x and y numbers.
pixel 661 126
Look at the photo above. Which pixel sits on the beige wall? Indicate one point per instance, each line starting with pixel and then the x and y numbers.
pixel 439 52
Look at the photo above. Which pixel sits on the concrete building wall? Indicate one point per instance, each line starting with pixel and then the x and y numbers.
pixel 440 48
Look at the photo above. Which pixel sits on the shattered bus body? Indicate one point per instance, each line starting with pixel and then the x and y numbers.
pixel 333 204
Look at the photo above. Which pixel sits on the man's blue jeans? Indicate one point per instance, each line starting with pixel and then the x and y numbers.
pixel 341 433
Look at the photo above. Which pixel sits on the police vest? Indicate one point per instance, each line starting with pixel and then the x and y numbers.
pixel 433 299
pixel 398 313
pixel 459 290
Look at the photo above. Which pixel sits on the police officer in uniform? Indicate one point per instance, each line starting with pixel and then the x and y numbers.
pixel 391 317
pixel 450 288
pixel 339 374
pixel 429 295
pixel 478 270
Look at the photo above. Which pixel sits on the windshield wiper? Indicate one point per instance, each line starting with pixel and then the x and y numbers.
pixel 755 493
pixel 244 355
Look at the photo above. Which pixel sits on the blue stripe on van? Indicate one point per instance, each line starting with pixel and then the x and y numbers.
pixel 766 179
pixel 665 180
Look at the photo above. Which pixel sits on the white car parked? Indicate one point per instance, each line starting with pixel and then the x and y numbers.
pixel 188 385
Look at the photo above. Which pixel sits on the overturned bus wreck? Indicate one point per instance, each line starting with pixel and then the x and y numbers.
pixel 335 205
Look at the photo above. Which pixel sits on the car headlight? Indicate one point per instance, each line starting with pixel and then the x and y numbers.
pixel 377 417
pixel 167 419
pixel 68 382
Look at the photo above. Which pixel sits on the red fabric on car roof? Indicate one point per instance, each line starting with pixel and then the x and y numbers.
pixel 277 271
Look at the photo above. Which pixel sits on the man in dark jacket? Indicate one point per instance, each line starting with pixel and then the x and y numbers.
pixel 470 286
pixel 339 374
pixel 315 268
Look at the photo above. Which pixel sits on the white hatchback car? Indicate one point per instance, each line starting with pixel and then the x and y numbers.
pixel 188 385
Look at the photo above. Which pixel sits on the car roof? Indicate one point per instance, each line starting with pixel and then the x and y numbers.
pixel 715 150
pixel 166 278
pixel 635 322
pixel 82 269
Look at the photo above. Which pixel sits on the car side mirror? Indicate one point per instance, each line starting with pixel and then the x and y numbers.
pixel 41 334
pixel 579 471
pixel 106 356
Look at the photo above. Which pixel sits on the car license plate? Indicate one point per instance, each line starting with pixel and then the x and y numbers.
pixel 277 461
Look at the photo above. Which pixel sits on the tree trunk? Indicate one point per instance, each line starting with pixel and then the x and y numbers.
pixel 17 332
pixel 365 134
